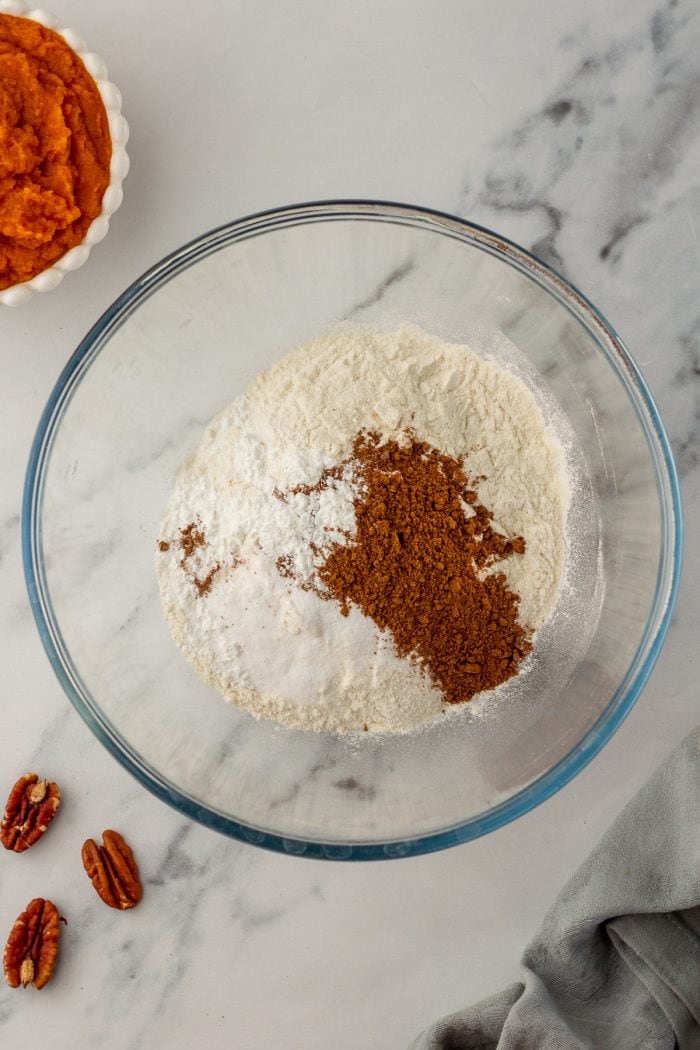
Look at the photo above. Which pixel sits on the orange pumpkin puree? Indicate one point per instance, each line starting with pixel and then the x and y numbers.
pixel 55 149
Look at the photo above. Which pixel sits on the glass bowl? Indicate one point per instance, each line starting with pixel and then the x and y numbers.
pixel 132 402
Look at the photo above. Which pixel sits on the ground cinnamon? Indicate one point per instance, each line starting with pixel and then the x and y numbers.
pixel 191 539
pixel 417 562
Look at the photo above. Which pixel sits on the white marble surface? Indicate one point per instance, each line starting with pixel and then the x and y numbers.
pixel 575 134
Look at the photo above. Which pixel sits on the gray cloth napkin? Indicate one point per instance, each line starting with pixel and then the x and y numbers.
pixel 616 965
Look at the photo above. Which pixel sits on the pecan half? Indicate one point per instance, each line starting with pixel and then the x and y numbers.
pixel 30 809
pixel 113 871
pixel 32 947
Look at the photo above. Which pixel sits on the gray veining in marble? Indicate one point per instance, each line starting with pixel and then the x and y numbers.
pixel 575 132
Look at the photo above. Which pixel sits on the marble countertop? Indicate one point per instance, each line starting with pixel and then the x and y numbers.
pixel 575 134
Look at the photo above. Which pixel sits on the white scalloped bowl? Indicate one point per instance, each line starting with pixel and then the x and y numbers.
pixel 119 165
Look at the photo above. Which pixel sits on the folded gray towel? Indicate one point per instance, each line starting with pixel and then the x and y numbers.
pixel 616 965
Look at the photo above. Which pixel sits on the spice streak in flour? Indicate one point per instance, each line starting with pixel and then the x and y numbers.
pixel 377 530
pixel 413 566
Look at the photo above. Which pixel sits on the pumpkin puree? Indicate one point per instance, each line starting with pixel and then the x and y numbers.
pixel 55 149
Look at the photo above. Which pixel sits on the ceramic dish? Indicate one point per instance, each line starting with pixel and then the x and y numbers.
pixel 119 165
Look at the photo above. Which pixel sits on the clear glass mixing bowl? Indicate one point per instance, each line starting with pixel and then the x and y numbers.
pixel 133 400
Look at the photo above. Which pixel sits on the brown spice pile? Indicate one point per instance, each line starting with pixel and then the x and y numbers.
pixel 415 562
pixel 190 540
pixel 191 537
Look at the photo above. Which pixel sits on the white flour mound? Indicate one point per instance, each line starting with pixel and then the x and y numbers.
pixel 282 652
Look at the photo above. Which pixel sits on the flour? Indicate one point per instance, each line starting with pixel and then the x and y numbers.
pixel 280 651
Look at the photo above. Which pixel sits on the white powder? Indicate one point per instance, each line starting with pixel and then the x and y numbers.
pixel 280 651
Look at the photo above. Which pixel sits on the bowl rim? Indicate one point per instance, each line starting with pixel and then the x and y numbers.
pixel 640 667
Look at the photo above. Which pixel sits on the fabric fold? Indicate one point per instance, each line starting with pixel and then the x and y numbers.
pixel 616 965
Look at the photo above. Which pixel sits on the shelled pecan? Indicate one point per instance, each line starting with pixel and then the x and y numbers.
pixel 32 947
pixel 113 871
pixel 30 809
